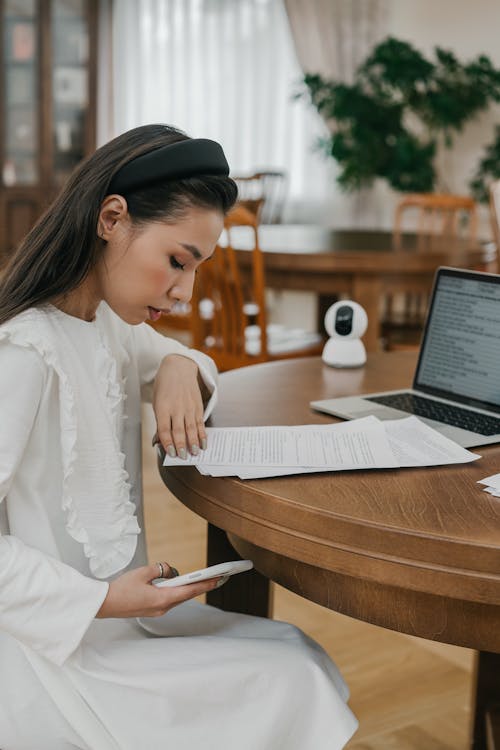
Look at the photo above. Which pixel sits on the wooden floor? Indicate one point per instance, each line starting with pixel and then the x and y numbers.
pixel 408 694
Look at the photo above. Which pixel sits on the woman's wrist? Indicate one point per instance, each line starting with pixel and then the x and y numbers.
pixel 180 360
pixel 178 406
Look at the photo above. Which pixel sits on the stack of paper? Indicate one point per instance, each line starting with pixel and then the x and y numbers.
pixel 367 443
pixel 492 485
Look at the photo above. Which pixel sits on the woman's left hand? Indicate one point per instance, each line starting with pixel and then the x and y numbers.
pixel 178 407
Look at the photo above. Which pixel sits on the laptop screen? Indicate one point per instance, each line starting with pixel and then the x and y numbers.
pixel 460 353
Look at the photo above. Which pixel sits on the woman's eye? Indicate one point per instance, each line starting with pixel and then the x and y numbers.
pixel 175 263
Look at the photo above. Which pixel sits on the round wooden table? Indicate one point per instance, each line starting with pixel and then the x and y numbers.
pixel 364 265
pixel 413 550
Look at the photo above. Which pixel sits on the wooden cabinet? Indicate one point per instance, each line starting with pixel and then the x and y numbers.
pixel 47 104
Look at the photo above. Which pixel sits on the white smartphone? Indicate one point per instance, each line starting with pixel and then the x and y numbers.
pixel 223 569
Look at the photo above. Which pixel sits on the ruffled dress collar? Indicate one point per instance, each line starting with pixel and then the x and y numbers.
pixel 96 495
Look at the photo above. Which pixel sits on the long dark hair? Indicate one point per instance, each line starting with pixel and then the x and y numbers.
pixel 62 247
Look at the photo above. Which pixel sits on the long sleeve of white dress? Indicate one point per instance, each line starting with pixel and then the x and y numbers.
pixel 44 603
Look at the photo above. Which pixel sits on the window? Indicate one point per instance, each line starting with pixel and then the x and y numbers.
pixel 226 70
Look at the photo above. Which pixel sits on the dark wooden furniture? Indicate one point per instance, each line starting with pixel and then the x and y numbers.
pixel 362 265
pixel 414 550
pixel 47 104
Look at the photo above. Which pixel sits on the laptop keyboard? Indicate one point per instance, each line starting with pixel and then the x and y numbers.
pixel 453 415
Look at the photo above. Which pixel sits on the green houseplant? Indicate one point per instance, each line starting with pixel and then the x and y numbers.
pixel 488 169
pixel 389 123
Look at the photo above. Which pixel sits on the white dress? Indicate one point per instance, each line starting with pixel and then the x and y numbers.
pixel 70 520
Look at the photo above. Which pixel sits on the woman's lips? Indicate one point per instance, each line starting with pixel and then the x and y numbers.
pixel 155 313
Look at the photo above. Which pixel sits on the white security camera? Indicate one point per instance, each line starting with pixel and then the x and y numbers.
pixel 345 323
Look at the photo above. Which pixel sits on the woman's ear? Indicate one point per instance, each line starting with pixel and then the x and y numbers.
pixel 114 210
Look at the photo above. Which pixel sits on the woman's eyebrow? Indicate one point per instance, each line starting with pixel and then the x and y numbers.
pixel 192 249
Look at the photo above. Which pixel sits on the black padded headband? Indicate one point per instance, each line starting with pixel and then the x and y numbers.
pixel 190 158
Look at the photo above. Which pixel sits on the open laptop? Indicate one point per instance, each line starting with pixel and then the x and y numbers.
pixel 456 386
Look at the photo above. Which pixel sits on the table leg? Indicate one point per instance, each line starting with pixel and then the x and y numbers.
pixel 247 593
pixel 485 727
pixel 367 291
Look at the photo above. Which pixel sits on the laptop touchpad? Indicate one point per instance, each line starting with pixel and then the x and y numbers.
pixel 381 412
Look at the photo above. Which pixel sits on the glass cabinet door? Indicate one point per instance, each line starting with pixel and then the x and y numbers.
pixel 70 46
pixel 21 93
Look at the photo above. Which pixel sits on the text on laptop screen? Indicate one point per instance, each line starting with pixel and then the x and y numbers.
pixel 461 348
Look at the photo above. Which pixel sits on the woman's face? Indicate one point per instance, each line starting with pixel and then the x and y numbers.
pixel 145 270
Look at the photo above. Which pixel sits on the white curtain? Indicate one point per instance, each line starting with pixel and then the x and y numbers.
pixel 105 129
pixel 227 70
pixel 333 37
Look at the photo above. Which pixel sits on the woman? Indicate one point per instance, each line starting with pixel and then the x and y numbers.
pixel 93 655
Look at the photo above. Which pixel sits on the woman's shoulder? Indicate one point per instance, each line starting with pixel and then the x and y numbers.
pixel 24 370
pixel 22 343
pixel 22 327
pixel 43 330
pixel 22 318
pixel 21 363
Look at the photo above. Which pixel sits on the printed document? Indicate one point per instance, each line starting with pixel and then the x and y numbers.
pixel 492 485
pixel 366 443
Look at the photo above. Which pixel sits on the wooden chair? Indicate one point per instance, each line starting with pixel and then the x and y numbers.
pixel 268 187
pixel 228 317
pixel 429 215
pixel 437 214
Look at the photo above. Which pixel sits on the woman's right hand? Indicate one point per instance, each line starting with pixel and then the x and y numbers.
pixel 133 595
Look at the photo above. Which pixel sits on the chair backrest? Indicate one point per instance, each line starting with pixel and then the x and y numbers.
pixel 268 186
pixel 495 211
pixel 228 298
pixel 436 214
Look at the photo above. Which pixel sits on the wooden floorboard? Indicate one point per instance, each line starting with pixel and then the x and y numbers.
pixel 408 694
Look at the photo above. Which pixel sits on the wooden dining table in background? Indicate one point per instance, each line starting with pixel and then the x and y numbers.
pixel 413 550
pixel 363 265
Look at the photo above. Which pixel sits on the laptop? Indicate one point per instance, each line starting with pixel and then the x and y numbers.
pixel 456 386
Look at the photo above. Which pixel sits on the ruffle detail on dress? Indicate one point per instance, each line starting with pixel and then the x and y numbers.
pixel 96 487
pixel 112 386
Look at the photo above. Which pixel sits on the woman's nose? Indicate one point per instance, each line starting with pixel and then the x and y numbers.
pixel 183 288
